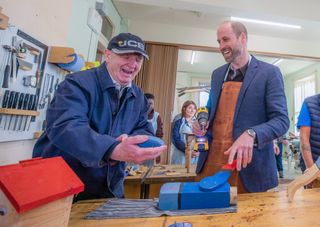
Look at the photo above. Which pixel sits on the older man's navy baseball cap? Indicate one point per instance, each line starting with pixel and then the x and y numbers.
pixel 125 43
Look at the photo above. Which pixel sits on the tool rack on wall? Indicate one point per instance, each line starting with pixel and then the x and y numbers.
pixel 27 84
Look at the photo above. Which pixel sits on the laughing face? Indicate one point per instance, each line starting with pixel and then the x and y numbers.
pixel 123 67
pixel 231 46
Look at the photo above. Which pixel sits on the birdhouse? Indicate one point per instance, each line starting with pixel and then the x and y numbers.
pixel 37 192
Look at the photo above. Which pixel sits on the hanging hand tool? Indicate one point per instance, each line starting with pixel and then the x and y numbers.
pixel 20 102
pixel 7 70
pixel 9 106
pixel 24 107
pixel 45 90
pixel 4 105
pixel 56 85
pixel 30 81
pixel 34 107
pixel 24 65
pixel 14 106
pixel 14 59
pixel 31 106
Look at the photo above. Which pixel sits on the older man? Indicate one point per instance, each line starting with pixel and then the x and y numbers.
pixel 98 117
pixel 248 111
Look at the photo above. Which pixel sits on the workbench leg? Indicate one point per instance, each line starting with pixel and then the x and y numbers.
pixel 146 191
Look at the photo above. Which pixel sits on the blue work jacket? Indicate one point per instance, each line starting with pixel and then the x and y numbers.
pixel 83 121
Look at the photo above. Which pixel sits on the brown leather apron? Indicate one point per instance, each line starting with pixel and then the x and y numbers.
pixel 222 135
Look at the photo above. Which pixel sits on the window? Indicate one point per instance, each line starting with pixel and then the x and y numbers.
pixel 303 88
pixel 203 95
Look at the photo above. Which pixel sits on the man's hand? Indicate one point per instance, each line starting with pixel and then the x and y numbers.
pixel 196 129
pixel 242 147
pixel 276 149
pixel 129 151
pixel 194 154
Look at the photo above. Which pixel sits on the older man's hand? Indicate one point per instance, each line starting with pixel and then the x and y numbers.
pixel 129 151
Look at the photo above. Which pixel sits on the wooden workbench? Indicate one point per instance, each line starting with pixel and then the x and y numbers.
pixel 134 187
pixel 256 209
pixel 157 176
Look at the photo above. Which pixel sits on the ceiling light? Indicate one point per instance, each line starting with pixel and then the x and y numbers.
pixel 266 22
pixel 193 56
pixel 276 62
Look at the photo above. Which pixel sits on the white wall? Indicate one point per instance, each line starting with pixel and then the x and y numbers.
pixel 59 22
pixel 46 20
pixel 203 37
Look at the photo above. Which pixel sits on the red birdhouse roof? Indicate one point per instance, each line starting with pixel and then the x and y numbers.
pixel 35 182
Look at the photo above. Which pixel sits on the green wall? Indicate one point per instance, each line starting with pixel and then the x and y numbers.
pixel 289 87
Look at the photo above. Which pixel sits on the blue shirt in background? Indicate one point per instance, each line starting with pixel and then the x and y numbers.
pixel 304 117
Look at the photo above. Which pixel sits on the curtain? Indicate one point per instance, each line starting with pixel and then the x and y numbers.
pixel 158 76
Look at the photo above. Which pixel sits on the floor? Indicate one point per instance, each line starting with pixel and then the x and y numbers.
pixel 290 170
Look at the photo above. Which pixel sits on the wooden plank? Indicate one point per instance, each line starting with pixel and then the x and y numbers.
pixel 60 54
pixel 19 112
pixel 255 209
pixel 157 174
pixel 304 179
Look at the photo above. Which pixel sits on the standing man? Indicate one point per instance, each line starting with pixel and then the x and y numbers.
pixel 248 111
pixel 97 119
pixel 154 117
pixel 157 125
pixel 309 125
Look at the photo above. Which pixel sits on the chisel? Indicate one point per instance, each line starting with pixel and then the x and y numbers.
pixel 31 104
pixel 14 106
pixel 9 106
pixel 20 102
pixel 4 105
pixel 24 107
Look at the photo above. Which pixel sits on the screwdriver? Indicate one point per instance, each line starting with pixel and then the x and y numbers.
pixel 30 107
pixel 9 106
pixel 34 107
pixel 24 107
pixel 14 106
pixel 4 104
pixel 20 102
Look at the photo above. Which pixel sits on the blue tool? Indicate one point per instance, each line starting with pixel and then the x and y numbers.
pixel 211 192
pixel 152 142
pixel 220 178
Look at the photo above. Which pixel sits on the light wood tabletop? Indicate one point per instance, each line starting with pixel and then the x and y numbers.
pixel 255 209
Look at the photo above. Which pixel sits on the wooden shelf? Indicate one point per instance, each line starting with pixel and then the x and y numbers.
pixel 37 135
pixel 19 112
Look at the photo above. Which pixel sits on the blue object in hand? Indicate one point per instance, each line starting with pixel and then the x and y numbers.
pixel 152 142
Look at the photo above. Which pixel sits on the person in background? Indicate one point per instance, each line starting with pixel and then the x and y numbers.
pixel 98 117
pixel 178 138
pixel 154 117
pixel 247 111
pixel 309 126
pixel 157 125
pixel 278 150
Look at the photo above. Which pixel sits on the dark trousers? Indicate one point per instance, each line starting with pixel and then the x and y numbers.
pixel 279 158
